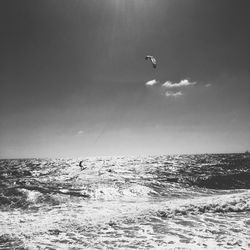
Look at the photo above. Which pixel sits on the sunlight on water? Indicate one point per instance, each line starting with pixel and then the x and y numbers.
pixel 157 202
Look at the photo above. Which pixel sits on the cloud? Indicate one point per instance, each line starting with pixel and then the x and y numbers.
pixel 174 94
pixel 80 132
pixel 151 83
pixel 168 85
pixel 208 85
pixel 182 83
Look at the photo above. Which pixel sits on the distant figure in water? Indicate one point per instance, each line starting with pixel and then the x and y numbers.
pixel 81 166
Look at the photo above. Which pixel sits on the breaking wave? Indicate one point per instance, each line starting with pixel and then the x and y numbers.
pixel 155 202
pixel 217 204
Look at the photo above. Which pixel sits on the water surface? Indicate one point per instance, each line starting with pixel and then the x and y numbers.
pixel 154 202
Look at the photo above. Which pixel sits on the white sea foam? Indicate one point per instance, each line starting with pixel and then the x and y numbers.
pixel 189 224
pixel 123 203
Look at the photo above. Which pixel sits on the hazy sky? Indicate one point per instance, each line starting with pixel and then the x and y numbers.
pixel 74 81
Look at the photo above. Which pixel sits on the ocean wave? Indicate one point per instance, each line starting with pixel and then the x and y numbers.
pixel 8 242
pixel 25 182
pixel 121 225
pixel 230 181
pixel 239 202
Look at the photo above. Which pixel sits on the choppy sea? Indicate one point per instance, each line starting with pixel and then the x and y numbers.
pixel 154 202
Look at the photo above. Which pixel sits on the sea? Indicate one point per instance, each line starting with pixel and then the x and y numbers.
pixel 145 202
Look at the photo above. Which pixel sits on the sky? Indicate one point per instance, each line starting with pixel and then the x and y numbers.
pixel 74 80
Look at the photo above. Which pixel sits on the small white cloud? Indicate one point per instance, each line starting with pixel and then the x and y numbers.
pixel 174 94
pixel 182 83
pixel 208 85
pixel 167 84
pixel 151 83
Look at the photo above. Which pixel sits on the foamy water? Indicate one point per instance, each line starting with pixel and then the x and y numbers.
pixel 156 202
